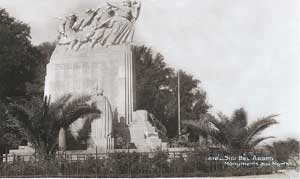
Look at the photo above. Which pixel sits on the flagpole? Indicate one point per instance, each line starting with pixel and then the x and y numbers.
pixel 179 121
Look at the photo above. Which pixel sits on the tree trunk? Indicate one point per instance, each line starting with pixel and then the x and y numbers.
pixel 62 139
pixel 42 149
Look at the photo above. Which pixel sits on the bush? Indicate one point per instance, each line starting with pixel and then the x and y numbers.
pixel 32 168
pixel 126 164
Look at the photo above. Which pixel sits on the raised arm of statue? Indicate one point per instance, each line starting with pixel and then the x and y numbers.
pixel 77 25
pixel 136 8
pixel 90 15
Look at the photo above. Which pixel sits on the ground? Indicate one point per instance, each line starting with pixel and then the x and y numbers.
pixel 287 174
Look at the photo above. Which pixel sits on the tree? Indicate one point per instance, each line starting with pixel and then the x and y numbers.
pixel 152 84
pixel 152 80
pixel 284 150
pixel 41 121
pixel 9 136
pixel 37 84
pixel 157 90
pixel 197 130
pixel 234 133
pixel 18 58
pixel 22 72
pixel 193 101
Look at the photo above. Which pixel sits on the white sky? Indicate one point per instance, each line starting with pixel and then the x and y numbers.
pixel 245 52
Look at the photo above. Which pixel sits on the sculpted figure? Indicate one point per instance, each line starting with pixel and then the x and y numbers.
pixel 67 30
pixel 136 4
pixel 85 29
pixel 103 26
pixel 102 127
pixel 124 19
pixel 112 24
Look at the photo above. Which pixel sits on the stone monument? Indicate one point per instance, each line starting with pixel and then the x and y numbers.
pixel 94 54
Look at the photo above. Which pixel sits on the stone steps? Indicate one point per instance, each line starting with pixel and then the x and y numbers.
pixel 139 126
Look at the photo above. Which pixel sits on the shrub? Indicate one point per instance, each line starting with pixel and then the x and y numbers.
pixel 126 164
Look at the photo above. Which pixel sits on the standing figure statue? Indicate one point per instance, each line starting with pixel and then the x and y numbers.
pixel 102 127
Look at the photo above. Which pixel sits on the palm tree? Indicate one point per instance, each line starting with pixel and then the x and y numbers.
pixel 42 122
pixel 198 127
pixel 234 133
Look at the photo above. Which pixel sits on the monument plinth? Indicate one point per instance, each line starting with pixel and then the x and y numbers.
pixel 111 69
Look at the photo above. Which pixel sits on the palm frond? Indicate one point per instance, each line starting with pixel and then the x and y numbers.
pixel 239 119
pixel 223 118
pixel 200 126
pixel 41 120
pixel 269 148
pixel 221 129
pixel 218 136
pixel 220 124
pixel 60 102
pixel 85 131
pixel 237 129
pixel 256 141
pixel 256 127
pixel 78 108
pixel 20 117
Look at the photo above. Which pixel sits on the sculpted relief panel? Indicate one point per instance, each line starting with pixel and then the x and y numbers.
pixel 111 24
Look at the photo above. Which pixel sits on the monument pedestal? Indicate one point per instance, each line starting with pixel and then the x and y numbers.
pixel 79 73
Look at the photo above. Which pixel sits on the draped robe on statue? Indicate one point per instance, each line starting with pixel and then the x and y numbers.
pixel 101 135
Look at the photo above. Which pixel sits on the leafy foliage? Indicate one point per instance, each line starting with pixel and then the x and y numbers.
pixel 132 165
pixel 8 132
pixel 162 131
pixel 22 71
pixel 233 133
pixel 36 87
pixel 284 150
pixel 121 133
pixel 157 90
pixel 81 141
pixel 18 58
pixel 40 121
